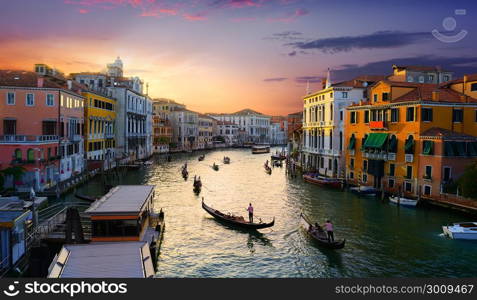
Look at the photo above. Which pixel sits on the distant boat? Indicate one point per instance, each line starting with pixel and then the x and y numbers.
pixel 260 149
pixel 201 158
pixel 461 231
pixel 403 201
pixel 323 181
pixel 319 235
pixel 215 167
pixel 364 190
pixel 268 170
pixel 226 160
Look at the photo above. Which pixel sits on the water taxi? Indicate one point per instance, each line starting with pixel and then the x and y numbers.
pixel 461 231
pixel 260 149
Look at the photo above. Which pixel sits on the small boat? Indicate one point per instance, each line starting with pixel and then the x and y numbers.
pixel 260 149
pixel 185 173
pixel 201 158
pixel 215 167
pixel 364 190
pixel 277 163
pixel 403 201
pixel 278 157
pixel 148 163
pixel 235 220
pixel 86 198
pixel 461 231
pixel 323 181
pixel 268 170
pixel 226 160
pixel 197 185
pixel 319 235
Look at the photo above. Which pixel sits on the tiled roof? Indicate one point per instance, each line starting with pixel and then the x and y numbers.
pixel 446 134
pixel 421 68
pixel 25 79
pixel 470 77
pixel 425 92
pixel 358 81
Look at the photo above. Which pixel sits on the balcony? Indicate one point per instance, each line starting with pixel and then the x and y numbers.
pixel 75 137
pixel 28 139
pixel 351 152
pixel 377 125
pixel 392 156
pixel 409 158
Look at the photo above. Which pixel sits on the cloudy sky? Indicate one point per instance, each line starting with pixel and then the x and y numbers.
pixel 226 55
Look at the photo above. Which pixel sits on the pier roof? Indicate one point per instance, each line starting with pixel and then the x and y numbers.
pixel 123 199
pixel 103 260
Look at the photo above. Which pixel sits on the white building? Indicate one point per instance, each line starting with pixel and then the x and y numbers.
pixel 278 135
pixel 185 128
pixel 255 124
pixel 323 124
pixel 229 131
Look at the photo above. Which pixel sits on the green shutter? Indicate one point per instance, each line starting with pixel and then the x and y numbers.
pixel 449 149
pixel 393 144
pixel 428 147
pixel 409 144
pixel 352 142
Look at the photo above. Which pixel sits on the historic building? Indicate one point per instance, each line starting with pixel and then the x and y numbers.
pixel 185 126
pixel 206 131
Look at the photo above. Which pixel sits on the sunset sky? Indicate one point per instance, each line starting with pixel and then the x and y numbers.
pixel 226 55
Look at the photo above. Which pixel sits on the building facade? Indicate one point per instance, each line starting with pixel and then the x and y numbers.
pixel 229 132
pixel 185 128
pixel 206 131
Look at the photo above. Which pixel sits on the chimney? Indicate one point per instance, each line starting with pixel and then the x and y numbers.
pixel 323 83
pixel 40 81
pixel 435 95
pixel 70 84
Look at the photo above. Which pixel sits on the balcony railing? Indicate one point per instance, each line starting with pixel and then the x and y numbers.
pixel 28 139
pixel 392 156
pixel 409 158
pixel 377 125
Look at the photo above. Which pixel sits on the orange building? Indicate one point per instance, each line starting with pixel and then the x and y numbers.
pixel 412 138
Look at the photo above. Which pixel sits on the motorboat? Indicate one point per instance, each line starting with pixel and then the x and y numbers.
pixel 461 231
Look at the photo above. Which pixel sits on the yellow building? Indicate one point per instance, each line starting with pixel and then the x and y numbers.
pixel 412 138
pixel 100 117
pixel 206 131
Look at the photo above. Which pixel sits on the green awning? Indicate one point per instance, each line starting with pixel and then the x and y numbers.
pixel 460 147
pixel 352 142
pixel 375 140
pixel 449 149
pixel 472 149
pixel 428 148
pixel 409 145
pixel 393 144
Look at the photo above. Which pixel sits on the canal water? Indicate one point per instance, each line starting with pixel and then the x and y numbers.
pixel 382 240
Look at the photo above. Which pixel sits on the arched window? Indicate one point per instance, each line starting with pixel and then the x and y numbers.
pixel 409 145
pixel 18 154
pixel 30 155
pixel 392 147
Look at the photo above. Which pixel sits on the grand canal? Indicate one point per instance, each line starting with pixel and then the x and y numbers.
pixel 382 240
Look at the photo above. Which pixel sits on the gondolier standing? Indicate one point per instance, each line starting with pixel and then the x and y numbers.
pixel 250 212
pixel 329 230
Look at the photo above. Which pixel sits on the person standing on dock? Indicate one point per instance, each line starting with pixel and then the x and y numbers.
pixel 329 231
pixel 250 212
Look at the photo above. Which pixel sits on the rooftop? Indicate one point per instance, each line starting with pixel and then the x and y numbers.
pixel 420 68
pixel 104 260
pixel 446 134
pixel 122 199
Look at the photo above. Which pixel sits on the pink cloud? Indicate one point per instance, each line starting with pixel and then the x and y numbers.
pixel 195 17
pixel 290 17
pixel 245 19
pixel 83 11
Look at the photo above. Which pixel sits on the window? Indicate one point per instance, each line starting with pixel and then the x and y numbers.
pixel 366 116
pixel 446 78
pixel 375 97
pixel 385 96
pixel 341 115
pixel 427 190
pixel 473 87
pixel 410 79
pixel 9 127
pixel 351 163
pixel 330 164
pixel 49 128
pixel 392 169
pixel 426 114
pixel 365 178
pixel 30 101
pixel 408 187
pixel 447 174
pixel 351 175
pixel 431 78
pixel 50 100
pixel 353 117
pixel 457 115
pixel 409 172
pixel 428 172
pixel 391 183
pixel 421 79
pixel 475 115
pixel 394 114
pixel 365 166
pixel 11 98
pixel 344 94
pixel 410 114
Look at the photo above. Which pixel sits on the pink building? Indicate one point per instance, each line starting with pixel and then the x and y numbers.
pixel 40 128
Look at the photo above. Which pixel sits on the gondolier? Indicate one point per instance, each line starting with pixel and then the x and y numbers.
pixel 250 212
pixel 329 230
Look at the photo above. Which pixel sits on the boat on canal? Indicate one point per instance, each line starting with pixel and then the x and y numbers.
pixel 323 181
pixel 268 170
pixel 403 201
pixel 215 167
pixel 364 190
pixel 461 231
pixel 260 149
pixel 201 158
pixel 226 160
pixel 197 185
pixel 126 236
pixel 319 235
pixel 85 198
pixel 238 221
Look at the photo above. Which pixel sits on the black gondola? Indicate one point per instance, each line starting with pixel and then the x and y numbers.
pixel 235 220
pixel 227 160
pixel 86 198
pixel 320 235
pixel 197 185
pixel 201 158
pixel 268 170
pixel 215 167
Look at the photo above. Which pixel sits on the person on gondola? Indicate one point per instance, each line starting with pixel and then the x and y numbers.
pixel 250 212
pixel 329 230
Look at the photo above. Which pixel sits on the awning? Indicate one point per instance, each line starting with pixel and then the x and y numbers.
pixel 352 142
pixel 449 149
pixel 460 147
pixel 428 148
pixel 375 140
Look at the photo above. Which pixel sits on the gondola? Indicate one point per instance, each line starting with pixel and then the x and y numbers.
pixel 235 220
pixel 268 170
pixel 197 185
pixel 215 167
pixel 185 173
pixel 227 160
pixel 320 237
pixel 201 158
pixel 86 198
